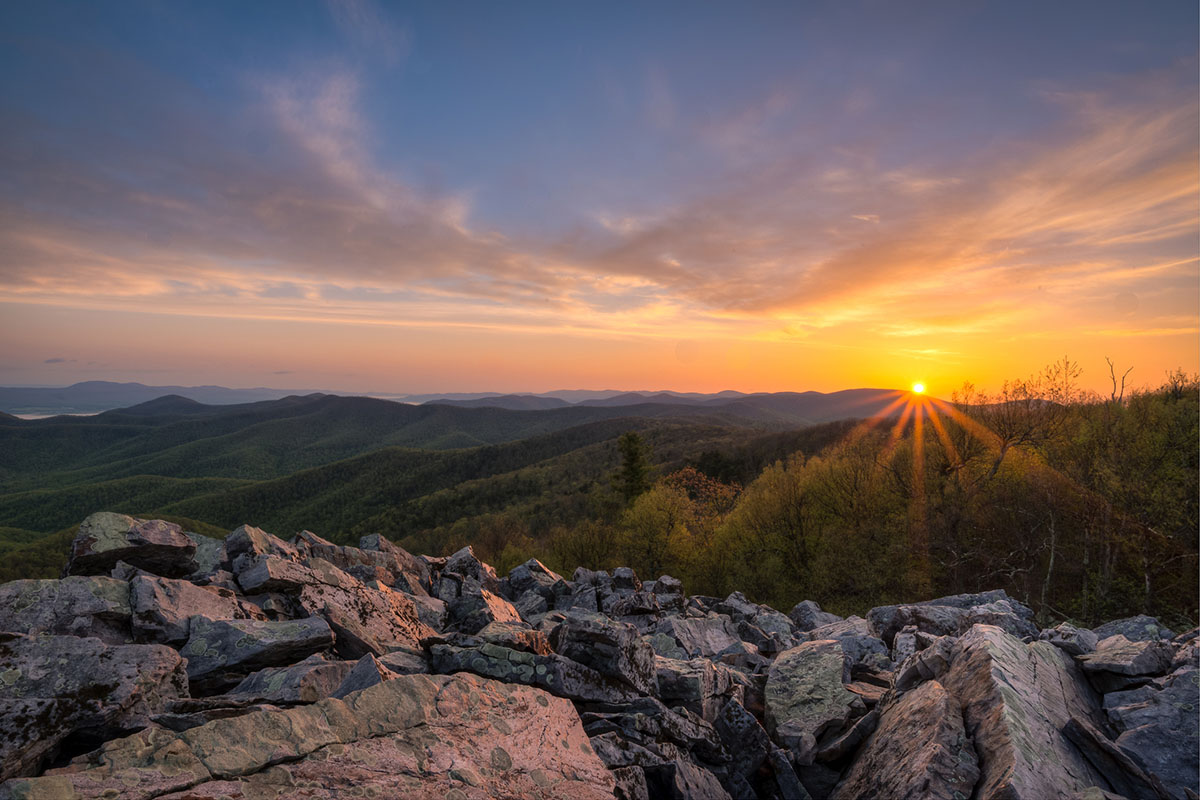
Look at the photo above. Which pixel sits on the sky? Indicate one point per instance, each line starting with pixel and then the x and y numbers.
pixel 363 196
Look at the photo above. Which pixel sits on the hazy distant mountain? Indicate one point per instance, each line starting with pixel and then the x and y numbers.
pixel 513 402
pixel 90 397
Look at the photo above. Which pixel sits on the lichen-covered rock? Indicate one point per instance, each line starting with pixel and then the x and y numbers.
pixel 858 643
pixel 74 606
pixel 476 607
pixel 1141 628
pixel 466 565
pixel 105 538
pixel 1073 641
pixel 517 636
pixel 162 607
pixel 57 687
pixel 1016 698
pixel 698 685
pixel 367 671
pixel 919 750
pixel 611 648
pixel 704 637
pixel 365 619
pixel 420 737
pixel 555 673
pixel 1159 728
pixel 954 615
pixel 744 738
pixel 805 696
pixel 923 665
pixel 807 615
pixel 1117 663
pixel 220 653
pixel 248 542
pixel 307 681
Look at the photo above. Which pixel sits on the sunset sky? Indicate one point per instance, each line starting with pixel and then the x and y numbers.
pixel 520 196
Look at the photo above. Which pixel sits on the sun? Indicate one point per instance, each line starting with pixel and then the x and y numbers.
pixel 918 388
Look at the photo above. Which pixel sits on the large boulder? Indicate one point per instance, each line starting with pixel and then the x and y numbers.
pixel 1073 641
pixel 220 653
pixel 1159 728
pixel 612 648
pixel 1118 663
pixel 63 692
pixel 1016 699
pixel 105 538
pixel 858 643
pixel 554 673
pixel 163 607
pixel 806 697
pixel 246 543
pixel 698 685
pixel 1141 628
pixel 807 615
pixel 702 637
pixel 919 751
pixel 74 606
pixel 420 737
pixel 955 615
pixel 477 607
pixel 464 564
pixel 308 681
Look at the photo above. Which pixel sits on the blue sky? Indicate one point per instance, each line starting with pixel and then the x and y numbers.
pixel 782 187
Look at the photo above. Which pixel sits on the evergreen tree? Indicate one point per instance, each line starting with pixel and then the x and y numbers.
pixel 633 478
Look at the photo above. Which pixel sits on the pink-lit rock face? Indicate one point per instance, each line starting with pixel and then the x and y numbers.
pixel 416 736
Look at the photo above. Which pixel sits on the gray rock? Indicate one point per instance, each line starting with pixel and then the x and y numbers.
pixel 1016 698
pixel 1073 641
pixel 706 637
pixel 163 607
pixel 924 665
pixel 919 750
pixel 466 565
pixel 1159 728
pixel 56 687
pixel 663 732
pixel 365 619
pixel 530 603
pixel 630 784
pixel 517 636
pixel 858 643
pixel 744 738
pixel 476 607
pixel 409 572
pixel 1141 628
pixel 1123 773
pixel 105 538
pixel 556 674
pixel 698 685
pixel 308 681
pixel 807 615
pixel 403 662
pixel 1118 663
pixel 209 556
pixel 251 542
pixel 268 573
pixel 611 648
pixel 220 653
pixel 533 576
pixel 75 606
pixel 806 699
pixel 952 618
pixel 368 671
pixel 683 780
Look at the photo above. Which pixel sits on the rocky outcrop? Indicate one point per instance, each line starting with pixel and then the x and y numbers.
pixel 189 668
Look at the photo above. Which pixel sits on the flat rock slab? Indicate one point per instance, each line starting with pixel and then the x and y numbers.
pixel 52 687
pixel 74 606
pixel 365 619
pixel 704 637
pixel 418 736
pixel 1120 656
pixel 220 653
pixel 156 546
pixel 1016 699
pixel 555 673
pixel 313 679
pixel 1160 729
pixel 919 751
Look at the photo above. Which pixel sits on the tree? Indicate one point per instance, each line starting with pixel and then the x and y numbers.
pixel 633 478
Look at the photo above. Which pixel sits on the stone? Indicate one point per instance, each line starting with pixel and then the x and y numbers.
pixel 683 780
pixel 405 662
pixel 845 745
pixel 1073 641
pixel 1117 663
pixel 1122 773
pixel 705 637
pixel 73 606
pixel 932 662
pixel 556 674
pixel 1016 698
pixel 364 619
pixel 268 573
pixel 414 570
pixel 1159 728
pixel 61 692
pixel 421 737
pixel 860 646
pixel 307 681
pixel 698 685
pixel 220 653
pixel 252 542
pixel 919 750
pixel 805 696
pixel 367 671
pixel 611 648
pixel 807 615
pixel 517 636
pixel 630 784
pixel 530 604
pixel 952 616
pixel 625 579
pixel 105 538
pixel 466 565
pixel 162 607
pixel 476 607
pixel 1141 628
pixel 209 556
pixel 662 731
pixel 744 738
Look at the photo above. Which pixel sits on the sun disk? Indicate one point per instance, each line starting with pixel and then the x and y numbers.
pixel 918 388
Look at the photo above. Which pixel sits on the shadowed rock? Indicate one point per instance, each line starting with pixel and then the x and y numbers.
pixel 220 653
pixel 1159 728
pixel 1118 663
pixel 1141 628
pixel 611 648
pixel 1071 640
pixel 806 698
pixel 308 681
pixel 105 538
pixel 75 606
pixel 56 687
pixel 807 615
pixel 162 607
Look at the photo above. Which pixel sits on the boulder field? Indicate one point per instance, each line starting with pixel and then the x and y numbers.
pixel 165 664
